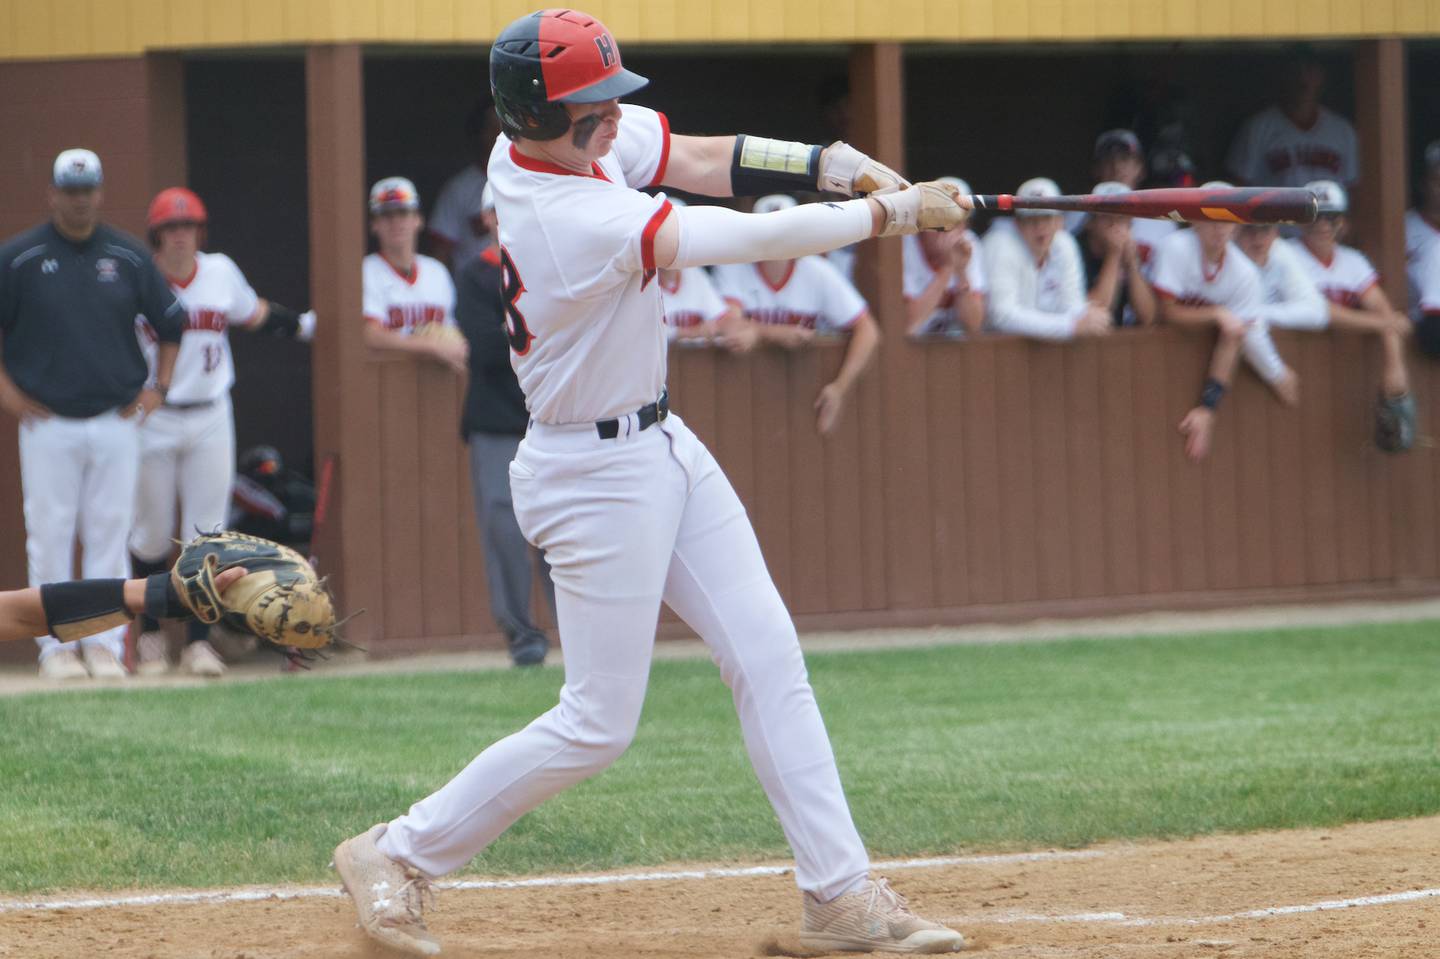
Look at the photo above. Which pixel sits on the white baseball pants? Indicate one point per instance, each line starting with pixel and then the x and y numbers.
pixel 189 453
pixel 79 475
pixel 626 523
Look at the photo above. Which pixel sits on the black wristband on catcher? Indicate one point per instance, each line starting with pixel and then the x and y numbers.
pixel 161 600
pixel 1211 393
pixel 76 610
pixel 281 321
pixel 761 165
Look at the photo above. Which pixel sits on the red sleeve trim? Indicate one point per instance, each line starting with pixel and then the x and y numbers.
pixel 1374 282
pixel 664 150
pixel 647 238
pixel 1161 291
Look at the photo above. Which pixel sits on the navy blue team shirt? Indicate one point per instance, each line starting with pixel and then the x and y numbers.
pixel 67 317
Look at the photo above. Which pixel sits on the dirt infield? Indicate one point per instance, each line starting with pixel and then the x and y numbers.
pixel 1270 895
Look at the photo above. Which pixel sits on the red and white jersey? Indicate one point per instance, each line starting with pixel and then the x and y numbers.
pixel 811 294
pixel 583 310
pixel 1291 299
pixel 1343 280
pixel 918 276
pixel 1182 274
pixel 1270 150
pixel 1148 236
pixel 403 304
pixel 214 296
pixel 691 301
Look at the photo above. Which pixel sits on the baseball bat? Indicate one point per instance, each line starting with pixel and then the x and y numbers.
pixel 1190 205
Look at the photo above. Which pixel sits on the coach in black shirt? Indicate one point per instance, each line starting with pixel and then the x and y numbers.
pixel 74 375
pixel 493 423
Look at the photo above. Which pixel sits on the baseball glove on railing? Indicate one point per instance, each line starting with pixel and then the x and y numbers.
pixel 280 599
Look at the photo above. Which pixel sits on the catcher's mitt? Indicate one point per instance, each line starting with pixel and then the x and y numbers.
pixel 280 599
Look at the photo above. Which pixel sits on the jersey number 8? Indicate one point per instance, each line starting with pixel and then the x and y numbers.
pixel 510 289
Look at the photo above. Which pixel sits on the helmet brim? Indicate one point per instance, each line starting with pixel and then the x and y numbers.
pixel 613 87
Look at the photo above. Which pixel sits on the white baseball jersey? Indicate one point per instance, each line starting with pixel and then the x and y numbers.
pixel 456 216
pixel 1027 299
pixel 214 296
pixel 691 301
pixel 1291 298
pixel 918 276
pixel 1425 282
pixel 1270 150
pixel 403 304
pixel 1182 274
pixel 1420 235
pixel 812 294
pixel 583 310
pixel 1148 235
pixel 1346 278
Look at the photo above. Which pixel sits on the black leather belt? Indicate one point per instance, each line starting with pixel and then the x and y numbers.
pixel 648 415
pixel 189 406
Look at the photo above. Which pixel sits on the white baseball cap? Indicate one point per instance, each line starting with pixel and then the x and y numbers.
pixel 487 199
pixel 1109 188
pixel 1217 185
pixel 1039 186
pixel 1331 195
pixel 77 168
pixel 774 203
pixel 393 193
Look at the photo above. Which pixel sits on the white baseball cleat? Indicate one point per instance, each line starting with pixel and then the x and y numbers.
pixel 152 651
pixel 200 659
pixel 63 665
pixel 873 918
pixel 389 897
pixel 102 663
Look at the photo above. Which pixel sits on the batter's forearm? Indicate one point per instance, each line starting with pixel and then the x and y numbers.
pixel 700 165
pixel 711 235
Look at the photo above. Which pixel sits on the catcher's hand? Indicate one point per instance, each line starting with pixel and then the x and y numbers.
pixel 844 169
pixel 279 599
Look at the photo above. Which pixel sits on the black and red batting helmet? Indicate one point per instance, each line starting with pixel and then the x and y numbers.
pixel 547 59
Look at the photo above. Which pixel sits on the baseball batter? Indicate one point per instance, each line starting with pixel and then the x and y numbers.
pixel 1356 302
pixel 187 446
pixel 629 506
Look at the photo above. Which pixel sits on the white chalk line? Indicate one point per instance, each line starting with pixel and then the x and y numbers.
pixel 331 892
pixel 1123 919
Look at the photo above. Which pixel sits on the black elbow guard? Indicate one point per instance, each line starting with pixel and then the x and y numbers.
pixel 761 165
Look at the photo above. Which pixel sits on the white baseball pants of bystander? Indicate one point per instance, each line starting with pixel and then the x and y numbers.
pixel 79 475
pixel 189 453
pixel 626 523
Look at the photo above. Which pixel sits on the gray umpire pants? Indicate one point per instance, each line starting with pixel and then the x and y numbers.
pixel 508 564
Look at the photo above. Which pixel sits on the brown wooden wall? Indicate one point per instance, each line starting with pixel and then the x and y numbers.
pixel 1043 480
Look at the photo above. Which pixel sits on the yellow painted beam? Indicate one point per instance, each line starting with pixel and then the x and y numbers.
pixel 58 29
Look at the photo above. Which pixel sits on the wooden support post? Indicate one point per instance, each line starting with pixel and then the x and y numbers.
pixel 1380 93
pixel 346 406
pixel 892 410
pixel 165 121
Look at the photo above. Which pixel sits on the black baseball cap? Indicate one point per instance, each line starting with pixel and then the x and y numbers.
pixel 1117 141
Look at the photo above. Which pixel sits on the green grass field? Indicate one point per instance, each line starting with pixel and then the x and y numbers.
pixel 942 750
